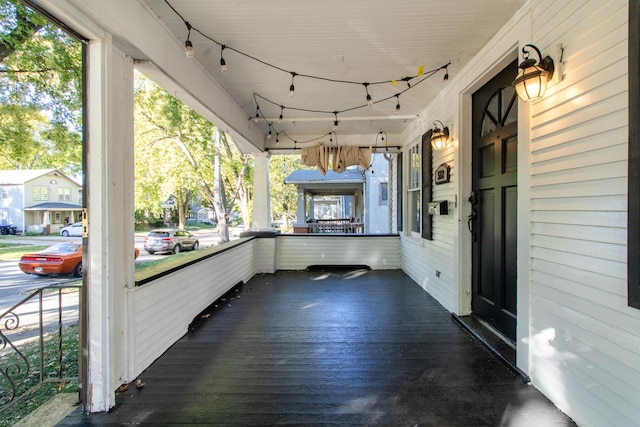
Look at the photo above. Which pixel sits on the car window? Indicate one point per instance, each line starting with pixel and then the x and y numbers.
pixel 67 248
pixel 158 234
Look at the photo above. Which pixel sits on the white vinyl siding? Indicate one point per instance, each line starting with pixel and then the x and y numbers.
pixel 299 252
pixel 578 212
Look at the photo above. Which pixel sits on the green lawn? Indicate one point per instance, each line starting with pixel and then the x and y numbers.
pixel 13 251
pixel 40 394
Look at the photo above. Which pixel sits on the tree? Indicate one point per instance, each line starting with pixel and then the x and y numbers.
pixel 40 92
pixel 192 161
pixel 284 197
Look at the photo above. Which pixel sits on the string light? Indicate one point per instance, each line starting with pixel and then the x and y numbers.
pixel 188 46
pixel 223 68
pixel 369 100
pixel 223 63
pixel 292 88
pixel 269 135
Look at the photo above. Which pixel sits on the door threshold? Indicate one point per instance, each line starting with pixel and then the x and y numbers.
pixel 498 345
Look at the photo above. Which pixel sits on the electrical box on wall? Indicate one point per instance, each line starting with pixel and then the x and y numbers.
pixel 439 208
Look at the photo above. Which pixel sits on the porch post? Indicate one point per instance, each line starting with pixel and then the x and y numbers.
pixel 261 197
pixel 109 252
pixel 300 210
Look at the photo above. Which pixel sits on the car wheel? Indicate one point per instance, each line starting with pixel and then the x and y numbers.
pixel 176 249
pixel 195 246
pixel 77 272
pixel 151 252
pixel 65 233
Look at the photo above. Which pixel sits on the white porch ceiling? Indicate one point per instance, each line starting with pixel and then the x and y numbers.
pixel 354 40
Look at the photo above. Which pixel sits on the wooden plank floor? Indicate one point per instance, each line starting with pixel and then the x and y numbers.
pixel 329 348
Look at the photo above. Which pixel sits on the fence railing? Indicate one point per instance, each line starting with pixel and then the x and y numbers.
pixel 39 341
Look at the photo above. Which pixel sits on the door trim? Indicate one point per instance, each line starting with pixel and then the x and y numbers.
pixel 463 166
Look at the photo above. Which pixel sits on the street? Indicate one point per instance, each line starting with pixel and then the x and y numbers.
pixel 22 324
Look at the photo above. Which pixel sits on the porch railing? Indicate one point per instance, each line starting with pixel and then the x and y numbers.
pixel 33 350
pixel 338 225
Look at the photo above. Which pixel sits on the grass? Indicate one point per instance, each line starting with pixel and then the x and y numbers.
pixel 13 251
pixel 43 392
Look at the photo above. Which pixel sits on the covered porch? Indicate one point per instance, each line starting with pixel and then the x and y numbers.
pixel 570 250
pixel 333 346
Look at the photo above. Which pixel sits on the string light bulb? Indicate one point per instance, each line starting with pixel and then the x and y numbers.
pixel 397 103
pixel 335 122
pixel 269 135
pixel 281 112
pixel 223 63
pixel 257 117
pixel 369 100
pixel 188 46
pixel 292 88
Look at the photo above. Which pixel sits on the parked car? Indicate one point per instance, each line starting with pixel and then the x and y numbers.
pixel 72 230
pixel 62 258
pixel 170 240
pixel 237 230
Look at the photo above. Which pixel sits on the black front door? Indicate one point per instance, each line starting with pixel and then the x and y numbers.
pixel 494 198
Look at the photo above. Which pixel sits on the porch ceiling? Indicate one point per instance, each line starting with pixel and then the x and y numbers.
pixel 357 40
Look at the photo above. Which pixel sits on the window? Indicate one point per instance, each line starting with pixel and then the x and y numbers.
pixel 4 216
pixel 4 193
pixel 58 218
pixel 80 197
pixel 414 191
pixel 383 193
pixel 64 194
pixel 40 192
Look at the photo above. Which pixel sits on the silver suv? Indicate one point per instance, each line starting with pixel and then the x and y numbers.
pixel 170 240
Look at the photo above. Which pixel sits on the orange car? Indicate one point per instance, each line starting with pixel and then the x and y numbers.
pixel 63 258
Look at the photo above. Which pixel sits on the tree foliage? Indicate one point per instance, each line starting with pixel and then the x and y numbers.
pixel 175 156
pixel 40 92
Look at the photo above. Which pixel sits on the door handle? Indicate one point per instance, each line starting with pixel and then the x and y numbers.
pixel 472 217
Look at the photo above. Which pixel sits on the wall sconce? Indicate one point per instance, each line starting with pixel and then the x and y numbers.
pixel 531 81
pixel 439 138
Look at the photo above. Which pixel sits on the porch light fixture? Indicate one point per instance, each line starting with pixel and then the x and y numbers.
pixel 531 81
pixel 439 137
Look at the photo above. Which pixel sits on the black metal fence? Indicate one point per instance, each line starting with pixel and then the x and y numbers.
pixel 39 341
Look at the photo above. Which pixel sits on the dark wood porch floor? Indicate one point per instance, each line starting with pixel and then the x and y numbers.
pixel 328 348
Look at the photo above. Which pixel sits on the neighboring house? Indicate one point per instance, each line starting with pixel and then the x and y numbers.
pixel 39 200
pixel 359 196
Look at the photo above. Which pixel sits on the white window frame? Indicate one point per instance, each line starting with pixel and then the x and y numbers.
pixel 414 190
pixel 40 192
pixel 383 189
pixel 64 194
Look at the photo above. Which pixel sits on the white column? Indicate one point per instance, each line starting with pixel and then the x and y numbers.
pixel 109 262
pixel 261 197
pixel 300 210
